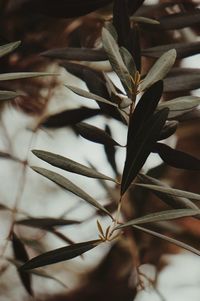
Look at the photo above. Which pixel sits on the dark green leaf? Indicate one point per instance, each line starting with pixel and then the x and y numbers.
pixel 176 158
pixel 69 186
pixel 134 5
pixel 95 134
pixel 180 20
pixel 61 254
pixel 169 129
pixel 140 147
pixel 69 165
pixel 45 223
pixel 110 152
pixel 21 255
pixel 69 117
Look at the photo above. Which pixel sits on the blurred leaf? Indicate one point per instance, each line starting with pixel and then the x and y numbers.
pixel 89 95
pixel 180 105
pixel 160 69
pixel 69 117
pixel 182 79
pixel 69 165
pixel 133 6
pixel 170 200
pixel 144 20
pixel 7 95
pixel 180 20
pixel 110 152
pixel 21 255
pixel 22 75
pixel 7 48
pixel 61 254
pixel 39 272
pixel 46 223
pixel 168 130
pixel 69 186
pixel 161 216
pixel 140 146
pixel 76 54
pixel 176 158
pixel 95 134
pixel 63 8
pixel 115 59
pixel 172 191
pixel 183 50
pixel 169 239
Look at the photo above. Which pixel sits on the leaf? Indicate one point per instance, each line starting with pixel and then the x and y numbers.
pixel 45 223
pixel 180 20
pixel 169 239
pixel 176 158
pixel 160 216
pixel 69 117
pixel 160 69
pixel 128 61
pixel 7 48
pixel 23 75
pixel 39 272
pixel 69 165
pixel 90 95
pixel 172 191
pixel 169 129
pixel 95 134
pixel 141 146
pixel 139 19
pixel 185 79
pixel 144 109
pixel 183 50
pixel 110 153
pixel 115 59
pixel 170 200
pixel 61 254
pixel 21 255
pixel 8 95
pixel 180 105
pixel 68 185
pixel 134 5
pixel 77 54
pixel 63 8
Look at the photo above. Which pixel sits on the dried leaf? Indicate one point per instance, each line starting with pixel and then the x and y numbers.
pixel 160 69
pixel 21 255
pixel 61 254
pixel 176 158
pixel 7 48
pixel 141 146
pixel 69 186
pixel 95 134
pixel 169 239
pixel 69 117
pixel 161 216
pixel 69 165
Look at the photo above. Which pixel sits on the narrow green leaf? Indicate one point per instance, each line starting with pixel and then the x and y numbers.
pixel 141 146
pixel 95 134
pixel 23 75
pixel 90 95
pixel 115 59
pixel 61 254
pixel 180 105
pixel 160 69
pixel 161 216
pixel 172 191
pixel 68 185
pixel 7 95
pixel 69 165
pixel 7 48
pixel 169 239
pixel 46 223
pixel 128 61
